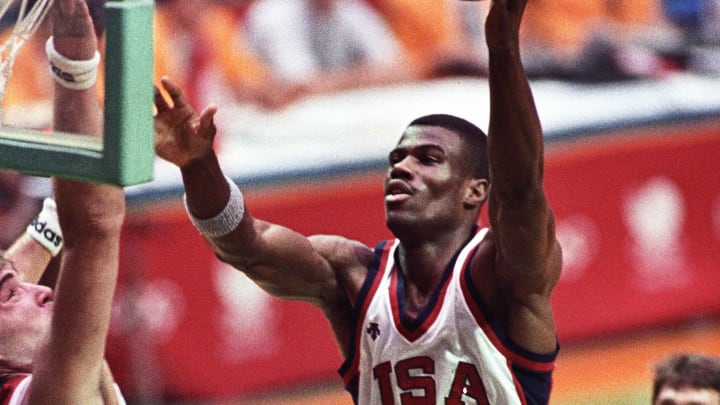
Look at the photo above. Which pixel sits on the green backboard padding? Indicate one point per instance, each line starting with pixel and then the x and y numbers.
pixel 126 154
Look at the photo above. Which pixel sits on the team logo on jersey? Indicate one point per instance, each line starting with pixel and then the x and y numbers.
pixel 373 330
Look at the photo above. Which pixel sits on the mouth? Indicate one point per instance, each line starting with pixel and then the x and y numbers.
pixel 397 191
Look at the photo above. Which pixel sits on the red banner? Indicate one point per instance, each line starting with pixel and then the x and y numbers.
pixel 639 221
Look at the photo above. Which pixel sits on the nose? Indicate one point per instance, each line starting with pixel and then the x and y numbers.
pixel 401 169
pixel 41 293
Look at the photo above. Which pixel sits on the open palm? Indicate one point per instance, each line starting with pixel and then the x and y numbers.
pixel 181 135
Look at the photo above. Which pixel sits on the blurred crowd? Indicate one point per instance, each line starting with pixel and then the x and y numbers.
pixel 270 53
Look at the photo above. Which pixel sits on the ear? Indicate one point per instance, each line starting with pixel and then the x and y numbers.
pixel 476 192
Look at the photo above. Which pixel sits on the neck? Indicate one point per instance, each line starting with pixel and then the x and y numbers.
pixel 423 263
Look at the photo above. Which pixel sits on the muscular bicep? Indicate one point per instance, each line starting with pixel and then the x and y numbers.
pixel 281 261
pixel 527 262
pixel 528 254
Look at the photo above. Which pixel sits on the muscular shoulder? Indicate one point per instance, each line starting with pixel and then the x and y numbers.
pixel 518 300
pixel 340 251
pixel 350 259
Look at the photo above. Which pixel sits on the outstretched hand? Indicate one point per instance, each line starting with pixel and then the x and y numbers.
pixel 502 25
pixel 181 136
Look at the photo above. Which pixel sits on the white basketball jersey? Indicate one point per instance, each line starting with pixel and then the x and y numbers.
pixel 449 354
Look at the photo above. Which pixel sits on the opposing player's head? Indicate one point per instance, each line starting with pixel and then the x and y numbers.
pixel 687 378
pixel 437 177
pixel 25 317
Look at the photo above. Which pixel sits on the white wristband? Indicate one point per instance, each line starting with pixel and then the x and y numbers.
pixel 224 222
pixel 45 229
pixel 72 74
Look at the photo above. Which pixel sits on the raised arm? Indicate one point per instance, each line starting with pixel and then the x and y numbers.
pixel 283 262
pixel 528 258
pixel 70 369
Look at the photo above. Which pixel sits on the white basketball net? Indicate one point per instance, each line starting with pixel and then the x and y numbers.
pixel 27 23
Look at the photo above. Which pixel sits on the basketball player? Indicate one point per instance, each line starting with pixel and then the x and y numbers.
pixel 52 344
pixel 447 312
pixel 687 379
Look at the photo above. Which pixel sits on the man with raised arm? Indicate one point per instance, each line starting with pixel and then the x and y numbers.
pixel 52 344
pixel 446 312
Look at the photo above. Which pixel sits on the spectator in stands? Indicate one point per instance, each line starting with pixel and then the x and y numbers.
pixel 699 24
pixel 322 46
pixel 442 38
pixel 206 53
pixel 687 379
pixel 593 40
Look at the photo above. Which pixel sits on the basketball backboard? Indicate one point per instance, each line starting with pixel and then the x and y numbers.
pixel 125 154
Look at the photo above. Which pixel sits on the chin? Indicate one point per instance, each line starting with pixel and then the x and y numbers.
pixel 398 224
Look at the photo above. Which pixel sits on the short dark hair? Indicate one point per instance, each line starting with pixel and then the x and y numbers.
pixel 687 370
pixel 473 137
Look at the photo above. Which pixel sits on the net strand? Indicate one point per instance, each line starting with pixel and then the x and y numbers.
pixel 25 26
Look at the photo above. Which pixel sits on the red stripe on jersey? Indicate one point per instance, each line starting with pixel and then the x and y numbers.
pixel 9 386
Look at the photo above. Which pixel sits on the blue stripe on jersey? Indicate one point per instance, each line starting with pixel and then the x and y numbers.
pixel 536 385
pixel 373 272
pixel 413 324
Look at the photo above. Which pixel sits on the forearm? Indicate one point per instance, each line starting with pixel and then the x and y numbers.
pixel 515 143
pixel 206 188
pixel 29 258
pixel 34 249
pixel 280 260
pixel 91 216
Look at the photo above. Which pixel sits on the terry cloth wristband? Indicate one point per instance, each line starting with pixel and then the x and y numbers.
pixel 45 229
pixel 72 74
pixel 224 222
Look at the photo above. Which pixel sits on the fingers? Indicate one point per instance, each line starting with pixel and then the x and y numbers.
pixel 177 99
pixel 208 114
pixel 206 120
pixel 159 100
pixel 174 92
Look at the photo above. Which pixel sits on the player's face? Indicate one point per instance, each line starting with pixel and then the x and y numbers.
pixel 424 183
pixel 687 396
pixel 25 314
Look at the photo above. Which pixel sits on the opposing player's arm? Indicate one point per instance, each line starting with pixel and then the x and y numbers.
pixel 69 368
pixel 32 252
pixel 29 258
pixel 283 262
pixel 528 254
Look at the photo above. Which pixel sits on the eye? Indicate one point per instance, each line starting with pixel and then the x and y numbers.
pixel 8 286
pixel 8 293
pixel 395 158
pixel 429 159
